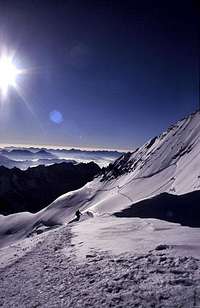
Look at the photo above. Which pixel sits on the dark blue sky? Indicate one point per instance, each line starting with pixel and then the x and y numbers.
pixel 112 73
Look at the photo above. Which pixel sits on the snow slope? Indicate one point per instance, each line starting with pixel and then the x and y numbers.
pixel 167 163
pixel 104 262
pixel 135 235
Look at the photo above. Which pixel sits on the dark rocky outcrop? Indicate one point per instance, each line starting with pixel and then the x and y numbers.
pixel 119 167
pixel 35 188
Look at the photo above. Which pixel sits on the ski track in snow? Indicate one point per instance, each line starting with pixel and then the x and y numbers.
pixel 51 275
pixel 120 187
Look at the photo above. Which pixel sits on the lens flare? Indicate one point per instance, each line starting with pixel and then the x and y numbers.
pixel 56 116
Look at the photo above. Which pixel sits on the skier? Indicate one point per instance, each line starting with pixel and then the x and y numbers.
pixel 78 214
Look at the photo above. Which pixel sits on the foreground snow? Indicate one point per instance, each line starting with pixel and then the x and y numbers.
pixel 104 262
pixel 135 235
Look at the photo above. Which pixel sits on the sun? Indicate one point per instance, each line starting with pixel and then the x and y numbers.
pixel 12 76
pixel 8 74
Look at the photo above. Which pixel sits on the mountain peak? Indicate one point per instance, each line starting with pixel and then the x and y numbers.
pixel 159 152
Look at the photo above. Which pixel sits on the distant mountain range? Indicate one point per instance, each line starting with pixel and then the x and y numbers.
pixel 24 158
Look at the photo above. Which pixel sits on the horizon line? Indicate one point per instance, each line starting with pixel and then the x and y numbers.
pixel 50 146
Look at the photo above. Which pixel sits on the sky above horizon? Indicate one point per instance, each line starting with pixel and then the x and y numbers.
pixel 108 74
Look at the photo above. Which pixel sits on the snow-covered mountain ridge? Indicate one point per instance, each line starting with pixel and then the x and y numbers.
pixel 161 152
pixel 168 163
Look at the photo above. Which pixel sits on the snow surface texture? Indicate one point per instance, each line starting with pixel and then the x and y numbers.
pixel 134 235
pixel 54 271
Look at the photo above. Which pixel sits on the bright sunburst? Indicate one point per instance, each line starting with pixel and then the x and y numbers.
pixel 8 74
